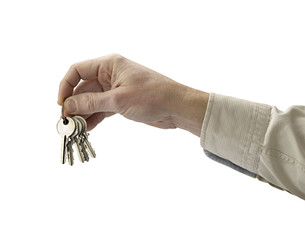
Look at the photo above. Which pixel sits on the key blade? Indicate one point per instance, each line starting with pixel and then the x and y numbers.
pixel 70 153
pixel 89 147
pixel 63 149
pixel 83 149
pixel 79 150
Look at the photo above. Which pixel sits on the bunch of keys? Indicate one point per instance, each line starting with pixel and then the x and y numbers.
pixel 73 131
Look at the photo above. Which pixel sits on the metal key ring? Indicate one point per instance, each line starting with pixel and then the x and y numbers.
pixel 66 121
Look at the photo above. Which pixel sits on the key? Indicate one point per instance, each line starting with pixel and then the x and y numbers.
pixel 89 146
pixel 76 139
pixel 86 142
pixel 84 151
pixel 82 127
pixel 70 153
pixel 65 127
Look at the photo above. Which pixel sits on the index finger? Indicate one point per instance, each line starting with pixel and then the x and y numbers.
pixel 83 70
pixel 86 70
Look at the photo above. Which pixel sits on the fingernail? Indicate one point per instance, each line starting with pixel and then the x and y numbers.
pixel 70 106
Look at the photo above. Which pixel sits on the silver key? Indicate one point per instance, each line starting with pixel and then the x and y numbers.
pixel 86 142
pixel 84 151
pixel 76 139
pixel 65 127
pixel 70 153
pixel 81 129
pixel 89 146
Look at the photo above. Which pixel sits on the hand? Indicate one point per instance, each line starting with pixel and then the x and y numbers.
pixel 114 84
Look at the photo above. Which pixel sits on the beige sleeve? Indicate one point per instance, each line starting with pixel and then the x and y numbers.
pixel 258 140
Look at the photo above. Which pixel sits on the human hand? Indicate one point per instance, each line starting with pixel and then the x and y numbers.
pixel 114 84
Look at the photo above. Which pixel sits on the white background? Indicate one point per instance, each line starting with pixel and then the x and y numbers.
pixel 145 183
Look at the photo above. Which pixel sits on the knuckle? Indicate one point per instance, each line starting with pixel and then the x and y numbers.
pixel 114 55
pixel 116 102
pixel 118 58
pixel 73 66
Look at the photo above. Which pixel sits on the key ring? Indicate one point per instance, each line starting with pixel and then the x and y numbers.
pixel 65 120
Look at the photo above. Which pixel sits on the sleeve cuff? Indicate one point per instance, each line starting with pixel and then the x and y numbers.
pixel 234 129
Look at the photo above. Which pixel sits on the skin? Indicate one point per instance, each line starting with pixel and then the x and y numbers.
pixel 114 84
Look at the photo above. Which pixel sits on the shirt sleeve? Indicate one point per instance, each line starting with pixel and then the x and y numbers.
pixel 258 140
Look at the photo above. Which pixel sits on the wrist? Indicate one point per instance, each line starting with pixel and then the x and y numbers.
pixel 189 109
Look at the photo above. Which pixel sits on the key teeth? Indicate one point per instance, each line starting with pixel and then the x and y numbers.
pixel 89 147
pixel 85 154
pixel 79 150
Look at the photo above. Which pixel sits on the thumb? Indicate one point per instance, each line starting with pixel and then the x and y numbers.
pixel 92 102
